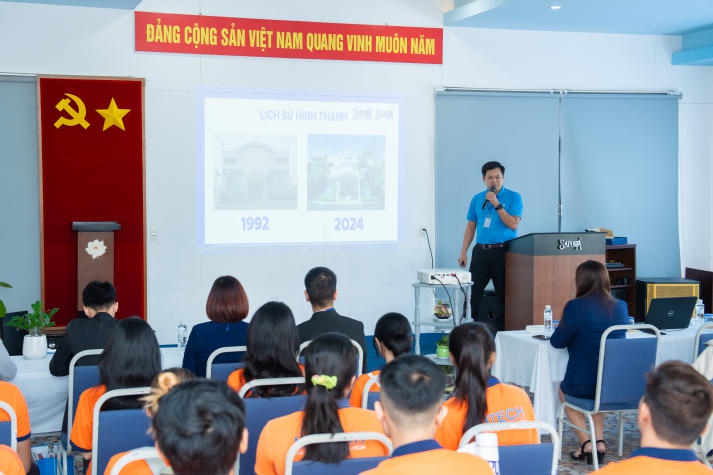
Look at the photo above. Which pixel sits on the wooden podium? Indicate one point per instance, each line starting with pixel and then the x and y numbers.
pixel 95 253
pixel 539 271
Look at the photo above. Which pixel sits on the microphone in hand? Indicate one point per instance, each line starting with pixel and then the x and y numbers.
pixel 492 190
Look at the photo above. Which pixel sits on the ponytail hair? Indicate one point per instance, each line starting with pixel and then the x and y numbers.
pixel 472 346
pixel 162 384
pixel 330 365
pixel 394 332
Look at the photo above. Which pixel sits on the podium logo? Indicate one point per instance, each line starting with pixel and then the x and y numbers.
pixel 575 244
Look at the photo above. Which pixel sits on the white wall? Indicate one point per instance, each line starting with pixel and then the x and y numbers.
pixel 372 279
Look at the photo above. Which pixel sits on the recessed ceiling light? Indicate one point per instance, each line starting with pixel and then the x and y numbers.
pixel 555 7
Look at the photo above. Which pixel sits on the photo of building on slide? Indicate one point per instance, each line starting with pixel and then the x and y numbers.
pixel 345 172
pixel 257 173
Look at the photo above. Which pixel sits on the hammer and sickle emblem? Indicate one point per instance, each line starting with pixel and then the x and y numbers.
pixel 77 115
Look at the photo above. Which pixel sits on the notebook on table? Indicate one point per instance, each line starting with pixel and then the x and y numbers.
pixel 671 313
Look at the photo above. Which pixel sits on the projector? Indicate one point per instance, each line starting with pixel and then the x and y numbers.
pixel 443 276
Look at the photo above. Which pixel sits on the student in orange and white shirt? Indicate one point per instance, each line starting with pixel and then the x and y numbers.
pixel 479 397
pixel 672 415
pixel 392 338
pixel 161 385
pixel 410 409
pixel 11 394
pixel 132 358
pixel 330 364
pixel 272 347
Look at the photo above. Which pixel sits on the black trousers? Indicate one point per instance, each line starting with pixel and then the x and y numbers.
pixel 487 264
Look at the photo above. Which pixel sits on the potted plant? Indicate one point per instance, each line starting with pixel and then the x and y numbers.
pixel 3 310
pixel 34 345
pixel 442 347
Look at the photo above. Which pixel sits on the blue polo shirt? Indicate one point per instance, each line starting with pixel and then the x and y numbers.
pixel 497 232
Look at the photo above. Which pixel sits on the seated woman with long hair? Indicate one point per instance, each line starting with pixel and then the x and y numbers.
pixel 162 384
pixel 479 397
pixel 273 344
pixel 226 307
pixel 330 364
pixel 584 320
pixel 131 359
pixel 392 338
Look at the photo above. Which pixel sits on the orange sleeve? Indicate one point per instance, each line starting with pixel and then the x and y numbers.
pixel 508 403
pixel 236 380
pixel 81 435
pixel 271 449
pixel 12 395
pixel 450 431
pixel 10 463
pixel 137 467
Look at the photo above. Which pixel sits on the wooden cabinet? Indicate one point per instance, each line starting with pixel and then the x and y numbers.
pixel 621 264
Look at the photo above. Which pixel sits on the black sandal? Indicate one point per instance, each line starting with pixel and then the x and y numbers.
pixel 582 454
pixel 602 453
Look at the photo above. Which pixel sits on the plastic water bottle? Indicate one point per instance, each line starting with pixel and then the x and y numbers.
pixel 487 448
pixel 700 311
pixel 182 336
pixel 547 320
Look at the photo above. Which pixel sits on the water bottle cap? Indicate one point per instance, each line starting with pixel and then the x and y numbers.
pixel 547 307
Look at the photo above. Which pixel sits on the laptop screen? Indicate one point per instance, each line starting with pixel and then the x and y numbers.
pixel 671 313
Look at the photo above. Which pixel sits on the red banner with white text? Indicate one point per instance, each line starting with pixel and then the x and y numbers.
pixel 91 169
pixel 198 34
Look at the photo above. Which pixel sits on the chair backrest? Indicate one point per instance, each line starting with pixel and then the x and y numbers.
pixel 369 397
pixel 8 429
pixel 533 459
pixel 360 354
pixel 269 382
pixel 81 378
pixel 118 430
pixel 258 411
pixel 221 370
pixel 351 466
pixel 149 454
pixel 704 333
pixel 623 363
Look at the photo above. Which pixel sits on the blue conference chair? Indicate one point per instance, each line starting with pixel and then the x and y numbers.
pixel 533 459
pixel 258 411
pixel 8 429
pixel 81 378
pixel 703 335
pixel 369 397
pixel 623 363
pixel 221 370
pixel 351 466
pixel 118 431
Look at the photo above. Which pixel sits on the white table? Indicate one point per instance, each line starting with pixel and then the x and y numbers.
pixel 526 361
pixel 46 395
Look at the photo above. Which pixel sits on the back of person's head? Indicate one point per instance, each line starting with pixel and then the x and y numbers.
pixel 472 347
pixel 320 285
pixel 412 389
pixel 227 301
pixel 98 295
pixel 162 384
pixel 680 401
pixel 272 343
pixel 131 359
pixel 487 166
pixel 200 427
pixel 591 277
pixel 393 331
pixel 330 365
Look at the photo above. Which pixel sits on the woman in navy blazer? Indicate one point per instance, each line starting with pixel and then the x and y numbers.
pixel 226 307
pixel 583 322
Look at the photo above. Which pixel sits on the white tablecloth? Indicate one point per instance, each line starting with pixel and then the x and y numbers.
pixel 46 395
pixel 527 361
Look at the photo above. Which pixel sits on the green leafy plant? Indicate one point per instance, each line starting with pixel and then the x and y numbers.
pixel 3 310
pixel 443 341
pixel 34 321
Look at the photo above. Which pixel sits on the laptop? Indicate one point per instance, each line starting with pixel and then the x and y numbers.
pixel 671 313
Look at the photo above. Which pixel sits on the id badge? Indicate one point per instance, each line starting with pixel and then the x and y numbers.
pixel 486 222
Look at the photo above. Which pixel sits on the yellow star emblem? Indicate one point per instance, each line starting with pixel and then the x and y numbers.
pixel 113 115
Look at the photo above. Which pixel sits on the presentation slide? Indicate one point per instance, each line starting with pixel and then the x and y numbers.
pixel 306 170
